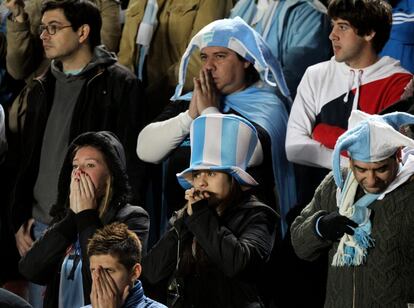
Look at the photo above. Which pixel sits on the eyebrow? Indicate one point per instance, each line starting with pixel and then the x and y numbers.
pixel 88 158
pixel 342 23
pixel 374 169
pixel 214 53
pixel 52 22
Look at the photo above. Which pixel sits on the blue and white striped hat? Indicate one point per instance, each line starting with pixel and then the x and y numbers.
pixel 221 142
pixel 371 138
pixel 238 36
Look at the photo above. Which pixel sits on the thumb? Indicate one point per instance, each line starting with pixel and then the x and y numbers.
pixel 30 223
pixel 125 293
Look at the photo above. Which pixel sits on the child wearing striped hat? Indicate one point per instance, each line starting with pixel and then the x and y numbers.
pixel 220 242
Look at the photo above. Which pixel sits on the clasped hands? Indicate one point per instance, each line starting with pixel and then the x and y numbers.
pixel 82 192
pixel 205 94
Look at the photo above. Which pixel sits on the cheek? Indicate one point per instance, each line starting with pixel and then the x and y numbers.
pixel 121 281
pixel 98 179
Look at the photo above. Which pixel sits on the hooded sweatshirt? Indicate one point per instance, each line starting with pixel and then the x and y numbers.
pixel 56 136
pixel 327 94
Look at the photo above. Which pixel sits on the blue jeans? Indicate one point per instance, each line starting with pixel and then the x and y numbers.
pixel 36 291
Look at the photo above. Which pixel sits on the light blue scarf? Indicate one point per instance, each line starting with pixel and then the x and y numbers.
pixel 259 104
pixel 352 249
pixel 145 33
pixel 267 26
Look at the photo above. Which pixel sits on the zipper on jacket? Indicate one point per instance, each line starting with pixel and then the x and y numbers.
pixel 353 288
pixel 178 248
pixel 100 72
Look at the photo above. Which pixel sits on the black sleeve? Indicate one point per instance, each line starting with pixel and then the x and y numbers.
pixel 233 253
pixel 160 263
pixel 43 260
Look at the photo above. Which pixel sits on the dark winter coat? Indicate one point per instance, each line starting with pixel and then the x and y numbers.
pixel 237 245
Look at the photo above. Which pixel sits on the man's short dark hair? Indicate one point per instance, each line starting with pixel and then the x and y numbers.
pixel 117 241
pixel 366 16
pixel 252 75
pixel 78 13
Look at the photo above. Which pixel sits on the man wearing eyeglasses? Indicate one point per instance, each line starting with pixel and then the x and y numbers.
pixel 84 89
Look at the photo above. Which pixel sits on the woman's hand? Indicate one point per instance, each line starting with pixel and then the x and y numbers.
pixel 82 195
pixel 193 196
pixel 74 192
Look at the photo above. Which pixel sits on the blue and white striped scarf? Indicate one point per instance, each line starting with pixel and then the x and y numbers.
pixel 352 249
pixel 145 33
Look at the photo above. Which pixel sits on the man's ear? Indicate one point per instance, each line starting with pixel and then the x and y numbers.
pixel 136 272
pixel 398 154
pixel 368 37
pixel 83 32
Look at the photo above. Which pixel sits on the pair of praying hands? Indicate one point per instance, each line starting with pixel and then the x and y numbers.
pixel 105 293
pixel 205 94
pixel 82 192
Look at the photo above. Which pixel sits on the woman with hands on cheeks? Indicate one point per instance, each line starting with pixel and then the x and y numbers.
pixel 93 191
pixel 221 240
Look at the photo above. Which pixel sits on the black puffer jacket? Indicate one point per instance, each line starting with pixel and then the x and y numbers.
pixel 43 262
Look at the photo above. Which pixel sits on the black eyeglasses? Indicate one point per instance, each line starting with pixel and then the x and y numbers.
pixel 51 29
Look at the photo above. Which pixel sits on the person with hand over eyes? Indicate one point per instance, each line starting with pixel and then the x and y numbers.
pixel 220 242
pixel 115 261
pixel 93 191
pixel 363 216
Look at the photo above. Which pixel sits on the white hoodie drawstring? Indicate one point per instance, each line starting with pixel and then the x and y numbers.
pixel 351 81
pixel 358 85
pixel 350 84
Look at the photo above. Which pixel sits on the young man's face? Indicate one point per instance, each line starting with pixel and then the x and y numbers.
pixel 348 46
pixel 65 42
pixel 91 161
pixel 375 177
pixel 227 70
pixel 120 275
pixel 217 184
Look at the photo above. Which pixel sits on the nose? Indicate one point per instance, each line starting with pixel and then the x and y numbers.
pixel 44 34
pixel 79 170
pixel 370 179
pixel 209 64
pixel 201 180
pixel 333 36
